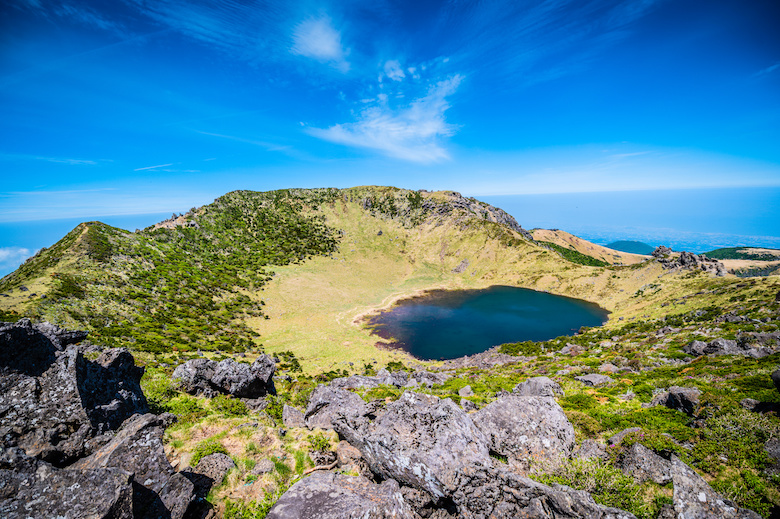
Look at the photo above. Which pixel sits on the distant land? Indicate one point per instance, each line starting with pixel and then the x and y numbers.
pixel 745 253
pixel 632 246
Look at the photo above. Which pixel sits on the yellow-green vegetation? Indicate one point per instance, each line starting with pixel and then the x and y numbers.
pixel 295 270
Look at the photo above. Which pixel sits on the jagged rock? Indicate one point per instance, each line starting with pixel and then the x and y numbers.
pixel 466 391
pixel 591 449
pixel 688 260
pixel 326 403
pixel 643 464
pixel 292 417
pixel 419 441
pixel 30 487
pixel 695 499
pixel 432 445
pixel 726 347
pixel 594 380
pixel 526 429
pixel 467 405
pixel 326 495
pixel 215 466
pixel 138 448
pixel 538 386
pixel 685 399
pixel 615 439
pixel 56 404
pixel 194 376
pixel 396 378
pixel 571 349
pixel 485 493
pixel 207 377
pixel 749 403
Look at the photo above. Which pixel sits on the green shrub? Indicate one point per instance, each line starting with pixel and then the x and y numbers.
pixel 606 483
pixel 521 348
pixel 229 406
pixel 205 448
pixel 319 442
pixel 274 407
pixel 579 402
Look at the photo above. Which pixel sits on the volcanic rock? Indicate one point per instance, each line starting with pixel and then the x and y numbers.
pixel 526 429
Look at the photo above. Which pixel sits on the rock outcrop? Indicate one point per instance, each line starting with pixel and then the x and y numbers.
pixel 594 380
pixel 137 448
pixel 528 430
pixel 432 446
pixel 210 378
pixel 685 399
pixel 748 345
pixel 538 386
pixel 326 404
pixel 688 261
pixel 55 403
pixel 325 495
pixel 59 410
pixel 30 487
pixel 695 499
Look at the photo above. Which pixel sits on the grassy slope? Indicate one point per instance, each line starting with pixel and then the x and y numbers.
pixel 599 252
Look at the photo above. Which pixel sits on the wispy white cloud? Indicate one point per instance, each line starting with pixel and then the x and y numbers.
pixel 56 160
pixel 317 38
pixel 154 167
pixel 394 71
pixel 767 70
pixel 12 257
pixel 413 132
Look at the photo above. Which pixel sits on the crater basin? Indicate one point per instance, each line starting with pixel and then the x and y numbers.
pixel 447 324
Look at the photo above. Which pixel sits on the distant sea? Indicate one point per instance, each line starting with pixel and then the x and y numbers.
pixel 696 220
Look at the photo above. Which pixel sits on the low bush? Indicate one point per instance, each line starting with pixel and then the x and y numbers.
pixel 205 448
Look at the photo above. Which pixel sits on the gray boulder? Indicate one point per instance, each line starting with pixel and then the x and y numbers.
pixel 215 466
pixel 30 487
pixel 326 495
pixel 591 449
pixel 429 379
pixel 327 403
pixel 292 417
pixel 209 378
pixel 643 464
pixel 695 499
pixel 466 391
pixel 594 380
pixel 538 386
pixel 685 399
pixel 527 430
pixel 728 347
pixel 431 445
pixel 776 379
pixel 137 448
pixel 56 404
pixel 420 441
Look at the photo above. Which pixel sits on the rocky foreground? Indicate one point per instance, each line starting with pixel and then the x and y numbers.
pixel 78 441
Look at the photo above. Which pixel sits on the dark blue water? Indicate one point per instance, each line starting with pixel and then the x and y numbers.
pixel 450 324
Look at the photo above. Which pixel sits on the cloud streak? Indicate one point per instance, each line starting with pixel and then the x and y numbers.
pixel 413 133
pixel 317 38
pixel 12 257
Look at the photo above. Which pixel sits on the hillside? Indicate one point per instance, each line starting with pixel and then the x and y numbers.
pixel 600 253
pixel 682 368
pixel 295 270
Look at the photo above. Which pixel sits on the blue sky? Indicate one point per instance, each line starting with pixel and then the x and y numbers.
pixel 130 107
